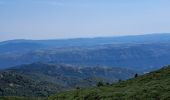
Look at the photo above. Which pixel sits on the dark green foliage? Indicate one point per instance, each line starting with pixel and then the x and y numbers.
pixel 14 84
pixel 152 86
pixel 107 83
pixel 19 98
pixel 100 84
pixel 77 88
pixel 119 80
pixel 136 75
pixel 42 80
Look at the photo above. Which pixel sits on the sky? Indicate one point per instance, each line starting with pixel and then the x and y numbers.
pixel 57 19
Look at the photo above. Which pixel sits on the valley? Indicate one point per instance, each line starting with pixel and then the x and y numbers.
pixel 84 50
pixel 85 69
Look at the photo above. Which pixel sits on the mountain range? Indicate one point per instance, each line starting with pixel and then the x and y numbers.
pixel 141 52
pixel 41 68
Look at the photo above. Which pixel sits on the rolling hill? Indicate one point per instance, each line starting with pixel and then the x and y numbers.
pixel 151 86
pixel 42 80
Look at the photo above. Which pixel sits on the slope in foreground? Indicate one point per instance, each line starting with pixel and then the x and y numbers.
pixel 151 86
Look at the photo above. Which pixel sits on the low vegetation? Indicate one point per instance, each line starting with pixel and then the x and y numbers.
pixel 14 84
pixel 42 80
pixel 151 86
pixel 19 98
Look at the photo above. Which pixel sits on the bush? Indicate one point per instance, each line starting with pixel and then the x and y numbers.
pixel 100 84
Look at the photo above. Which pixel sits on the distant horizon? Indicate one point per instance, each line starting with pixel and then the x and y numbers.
pixel 86 37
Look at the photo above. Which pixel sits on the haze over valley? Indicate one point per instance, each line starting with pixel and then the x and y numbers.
pixel 84 50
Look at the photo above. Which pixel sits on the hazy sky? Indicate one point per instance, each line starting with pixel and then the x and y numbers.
pixel 45 19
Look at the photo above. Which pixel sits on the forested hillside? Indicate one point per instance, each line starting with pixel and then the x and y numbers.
pixel 42 80
pixel 151 86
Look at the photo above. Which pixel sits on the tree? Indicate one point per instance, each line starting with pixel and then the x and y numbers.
pixel 119 80
pixel 77 88
pixel 107 83
pixel 100 84
pixel 136 75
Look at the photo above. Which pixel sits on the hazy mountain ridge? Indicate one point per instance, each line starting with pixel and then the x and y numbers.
pixel 131 56
pixel 147 38
pixel 126 51
pixel 65 70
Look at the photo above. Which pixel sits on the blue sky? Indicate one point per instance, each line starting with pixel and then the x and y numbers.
pixel 53 19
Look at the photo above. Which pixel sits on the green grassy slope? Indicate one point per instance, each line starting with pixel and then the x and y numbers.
pixel 151 86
